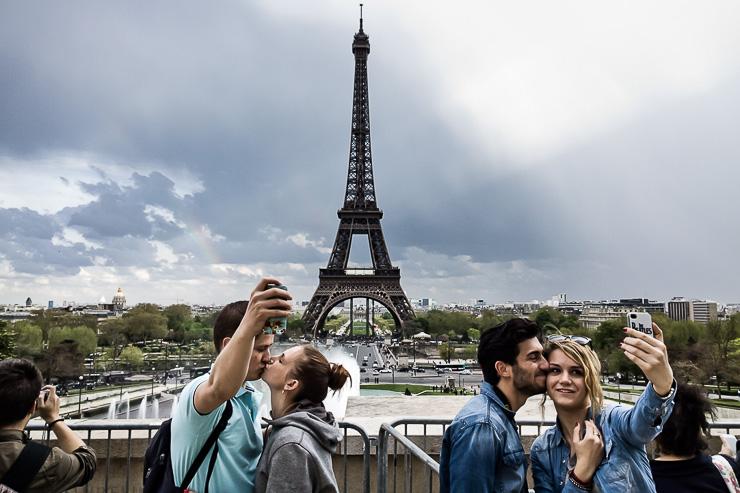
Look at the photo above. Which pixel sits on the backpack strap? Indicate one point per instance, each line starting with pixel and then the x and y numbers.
pixel 210 441
pixel 26 466
pixel 728 475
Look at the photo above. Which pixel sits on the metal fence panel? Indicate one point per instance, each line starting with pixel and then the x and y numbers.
pixel 125 430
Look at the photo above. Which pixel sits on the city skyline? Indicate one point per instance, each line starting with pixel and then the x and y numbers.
pixel 181 150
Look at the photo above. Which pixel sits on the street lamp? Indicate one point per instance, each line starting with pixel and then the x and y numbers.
pixel 153 374
pixel 166 364
pixel 79 400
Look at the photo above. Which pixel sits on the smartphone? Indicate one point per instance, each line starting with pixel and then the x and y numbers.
pixel 640 321
pixel 276 325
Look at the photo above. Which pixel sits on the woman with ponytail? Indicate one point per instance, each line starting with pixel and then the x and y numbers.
pixel 302 434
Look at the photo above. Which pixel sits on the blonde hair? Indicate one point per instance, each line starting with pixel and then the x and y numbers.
pixel 586 358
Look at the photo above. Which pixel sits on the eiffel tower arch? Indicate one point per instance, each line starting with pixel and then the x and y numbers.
pixel 359 216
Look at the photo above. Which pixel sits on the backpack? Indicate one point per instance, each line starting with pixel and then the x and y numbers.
pixel 18 478
pixel 158 475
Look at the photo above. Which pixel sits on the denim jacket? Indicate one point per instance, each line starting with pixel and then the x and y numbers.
pixel 481 449
pixel 625 431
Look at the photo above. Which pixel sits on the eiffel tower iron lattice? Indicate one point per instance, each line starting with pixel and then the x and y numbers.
pixel 359 215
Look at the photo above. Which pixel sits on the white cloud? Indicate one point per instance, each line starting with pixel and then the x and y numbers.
pixel 71 237
pixel 302 240
pixel 50 183
pixel 164 254
pixel 152 212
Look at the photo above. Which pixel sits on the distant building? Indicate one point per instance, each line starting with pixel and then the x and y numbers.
pixel 594 313
pixel 119 300
pixel 50 305
pixel 679 309
pixel 703 312
pixel 699 311
pixel 28 301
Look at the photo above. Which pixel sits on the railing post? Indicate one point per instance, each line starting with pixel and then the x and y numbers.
pixel 382 452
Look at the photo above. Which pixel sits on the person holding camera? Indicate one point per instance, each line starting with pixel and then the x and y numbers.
pixel 26 465
pixel 242 336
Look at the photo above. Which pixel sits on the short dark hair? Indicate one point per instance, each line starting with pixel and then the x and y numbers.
pixel 228 321
pixel 501 343
pixel 685 431
pixel 20 385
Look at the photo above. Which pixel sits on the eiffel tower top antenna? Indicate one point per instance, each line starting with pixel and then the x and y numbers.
pixel 360 17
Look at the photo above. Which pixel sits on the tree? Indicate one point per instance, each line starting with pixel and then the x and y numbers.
pixel 548 319
pixel 133 357
pixel 29 339
pixel 474 334
pixel 113 334
pixel 335 323
pixel 296 326
pixel 445 351
pixel 63 360
pixel 179 320
pixel 7 343
pixel 83 336
pixel 48 320
pixel 145 322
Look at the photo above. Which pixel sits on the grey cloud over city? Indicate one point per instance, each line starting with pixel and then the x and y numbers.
pixel 180 150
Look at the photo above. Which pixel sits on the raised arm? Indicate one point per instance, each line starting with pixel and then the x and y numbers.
pixel 644 421
pixel 232 364
pixel 48 409
pixel 651 355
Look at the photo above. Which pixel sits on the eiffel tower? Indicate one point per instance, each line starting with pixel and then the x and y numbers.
pixel 359 216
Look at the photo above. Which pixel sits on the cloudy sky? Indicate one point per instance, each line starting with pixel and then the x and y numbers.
pixel 181 149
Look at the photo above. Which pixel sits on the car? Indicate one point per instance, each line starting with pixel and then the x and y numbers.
pixel 364 363
pixel 385 370
pixel 363 370
pixel 466 372
pixel 376 372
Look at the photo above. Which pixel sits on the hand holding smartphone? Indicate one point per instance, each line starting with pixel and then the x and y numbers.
pixel 276 325
pixel 641 321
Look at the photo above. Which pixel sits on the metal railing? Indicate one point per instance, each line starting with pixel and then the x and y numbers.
pixel 414 442
pixel 107 429
pixel 125 430
pixel 416 449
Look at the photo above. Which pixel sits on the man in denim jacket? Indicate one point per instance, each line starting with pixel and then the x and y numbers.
pixel 481 450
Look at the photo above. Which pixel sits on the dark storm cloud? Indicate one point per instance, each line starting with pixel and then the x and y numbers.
pixel 122 210
pixel 258 109
pixel 26 242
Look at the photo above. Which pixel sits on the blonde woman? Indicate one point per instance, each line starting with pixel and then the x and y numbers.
pixel 594 447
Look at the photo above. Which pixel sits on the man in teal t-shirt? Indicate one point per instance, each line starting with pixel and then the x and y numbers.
pixel 243 352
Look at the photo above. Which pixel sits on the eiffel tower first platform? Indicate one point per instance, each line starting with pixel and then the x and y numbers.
pixel 359 217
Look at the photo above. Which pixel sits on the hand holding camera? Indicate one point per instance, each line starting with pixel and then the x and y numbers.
pixel 47 403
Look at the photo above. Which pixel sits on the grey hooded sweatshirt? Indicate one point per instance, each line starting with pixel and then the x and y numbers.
pixel 297 453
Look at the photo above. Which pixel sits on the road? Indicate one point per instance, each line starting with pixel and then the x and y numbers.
pixel 428 377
